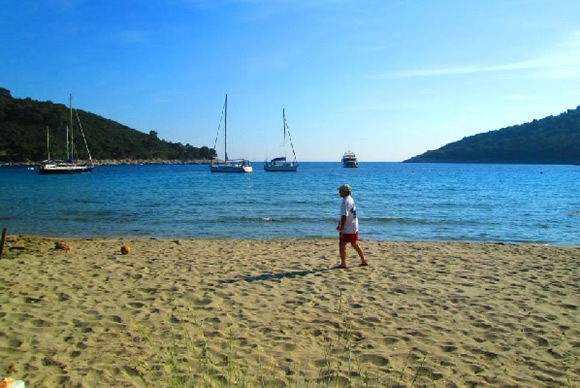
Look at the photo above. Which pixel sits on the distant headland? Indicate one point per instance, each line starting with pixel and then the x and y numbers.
pixel 551 140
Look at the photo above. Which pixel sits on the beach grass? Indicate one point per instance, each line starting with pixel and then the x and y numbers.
pixel 339 367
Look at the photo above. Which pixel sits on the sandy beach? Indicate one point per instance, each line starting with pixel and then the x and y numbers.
pixel 275 313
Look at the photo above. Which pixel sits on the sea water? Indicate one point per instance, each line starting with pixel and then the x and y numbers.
pixel 395 201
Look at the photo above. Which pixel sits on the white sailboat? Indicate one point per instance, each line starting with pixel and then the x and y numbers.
pixel 68 166
pixel 281 164
pixel 229 165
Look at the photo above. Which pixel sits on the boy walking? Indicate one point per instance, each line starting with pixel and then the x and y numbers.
pixel 348 226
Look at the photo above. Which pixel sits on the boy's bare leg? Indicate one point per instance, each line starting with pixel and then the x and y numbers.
pixel 360 252
pixel 342 251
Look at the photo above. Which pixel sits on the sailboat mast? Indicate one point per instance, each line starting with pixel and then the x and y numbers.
pixel 226 130
pixel 47 142
pixel 286 130
pixel 70 146
pixel 284 123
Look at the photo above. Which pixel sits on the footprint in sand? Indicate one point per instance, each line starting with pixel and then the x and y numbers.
pixel 449 348
pixel 115 318
pixel 390 340
pixel 137 305
pixel 375 359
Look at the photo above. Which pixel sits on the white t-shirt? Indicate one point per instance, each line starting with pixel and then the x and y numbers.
pixel 348 209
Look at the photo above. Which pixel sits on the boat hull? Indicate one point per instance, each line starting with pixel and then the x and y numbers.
pixel 64 168
pixel 280 168
pixel 231 169
pixel 280 165
pixel 243 166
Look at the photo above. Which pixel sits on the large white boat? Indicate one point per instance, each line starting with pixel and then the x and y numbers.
pixel 70 165
pixel 281 164
pixel 349 160
pixel 229 165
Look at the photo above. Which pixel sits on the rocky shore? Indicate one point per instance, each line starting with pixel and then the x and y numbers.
pixel 117 162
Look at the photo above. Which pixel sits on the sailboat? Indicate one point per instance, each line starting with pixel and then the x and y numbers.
pixel 68 166
pixel 229 165
pixel 281 164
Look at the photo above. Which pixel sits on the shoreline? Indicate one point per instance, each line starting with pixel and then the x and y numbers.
pixel 432 313
pixel 288 238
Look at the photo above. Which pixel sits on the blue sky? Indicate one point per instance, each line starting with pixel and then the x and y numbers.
pixel 387 79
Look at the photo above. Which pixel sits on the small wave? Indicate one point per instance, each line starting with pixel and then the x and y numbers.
pixel 418 221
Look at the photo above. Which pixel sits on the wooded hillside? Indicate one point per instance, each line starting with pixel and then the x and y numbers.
pixel 551 140
pixel 24 123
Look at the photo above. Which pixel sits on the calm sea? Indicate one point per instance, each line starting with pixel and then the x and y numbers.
pixel 395 201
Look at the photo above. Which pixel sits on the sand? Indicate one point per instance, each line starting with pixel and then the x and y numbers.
pixel 275 313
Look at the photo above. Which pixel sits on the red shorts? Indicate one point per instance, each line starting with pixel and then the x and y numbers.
pixel 349 238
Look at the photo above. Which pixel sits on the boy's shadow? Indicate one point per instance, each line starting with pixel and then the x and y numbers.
pixel 277 275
